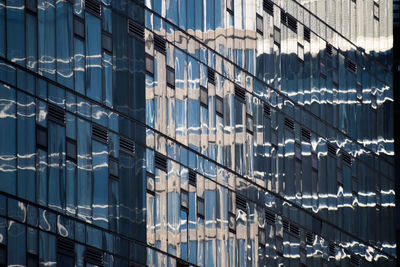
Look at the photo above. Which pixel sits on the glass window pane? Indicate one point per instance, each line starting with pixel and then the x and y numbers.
pixel 46 38
pixel 64 43
pixel 15 31
pixel 93 57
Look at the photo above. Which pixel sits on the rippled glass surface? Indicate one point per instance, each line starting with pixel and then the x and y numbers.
pixel 202 133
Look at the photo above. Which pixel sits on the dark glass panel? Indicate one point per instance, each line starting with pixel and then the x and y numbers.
pixel 93 57
pixel 64 43
pixel 46 38
pixel 15 31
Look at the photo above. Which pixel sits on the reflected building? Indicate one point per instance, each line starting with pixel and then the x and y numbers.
pixel 196 133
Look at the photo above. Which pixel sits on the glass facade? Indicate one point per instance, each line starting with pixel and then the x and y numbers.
pixel 196 133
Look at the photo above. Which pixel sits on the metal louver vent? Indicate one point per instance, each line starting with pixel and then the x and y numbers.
pixel 285 224
pixel 241 203
pixel 267 110
pixel 268 7
pixel 331 249
pixel 306 134
pixel 93 256
pixel 126 145
pixel 347 159
pixel 329 49
pixel 240 94
pixel 355 260
pixel 294 229
pixel 283 17
pixel 211 76
pixel 99 133
pixel 56 114
pixel 192 177
pixel 160 162
pixel 135 29
pixel 65 246
pixel 289 123
pixel 159 43
pixel 309 238
pixel 93 7
pixel 307 34
pixel 351 65
pixel 331 149
pixel 292 23
pixel 270 217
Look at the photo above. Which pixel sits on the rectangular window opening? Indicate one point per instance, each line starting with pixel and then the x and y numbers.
pixel 71 150
pixel 170 77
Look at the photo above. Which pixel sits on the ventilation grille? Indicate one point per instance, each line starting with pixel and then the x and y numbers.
pixel 270 217
pixel 93 7
pixel 329 49
pixel 65 246
pixel 355 260
pixel 99 133
pixel 294 229
pixel 351 65
pixel 241 203
pixel 192 178
pixel 211 76
pixel 56 114
pixel 292 23
pixel 126 145
pixel 305 134
pixel 347 159
pixel 331 149
pixel 160 162
pixel 267 110
pixel 240 94
pixel 159 43
pixel 283 17
pixel 135 29
pixel 331 249
pixel 285 224
pixel 309 238
pixel 307 34
pixel 93 256
pixel 268 7
pixel 289 123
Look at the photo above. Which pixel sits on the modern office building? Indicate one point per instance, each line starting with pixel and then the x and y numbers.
pixel 197 133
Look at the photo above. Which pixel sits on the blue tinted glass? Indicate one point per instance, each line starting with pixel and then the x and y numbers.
pixel 70 187
pixel 16 244
pixel 26 81
pixel 64 43
pixel 2 28
pixel 15 30
pixel 56 160
pixel 84 178
pixel 107 19
pixel 79 66
pixel 114 215
pixel 31 42
pixel 79 7
pixel 93 57
pixel 7 73
pixel 41 178
pixel 107 76
pixel 100 184
pixel 47 248
pixel 8 149
pixel 26 146
pixel 56 95
pixel 137 80
pixel 46 38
